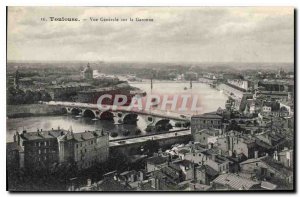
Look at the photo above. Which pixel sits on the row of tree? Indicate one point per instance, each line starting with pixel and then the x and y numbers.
pixel 18 97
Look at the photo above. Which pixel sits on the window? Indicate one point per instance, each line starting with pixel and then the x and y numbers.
pixel 45 143
pixel 40 151
pixel 76 145
pixel 45 151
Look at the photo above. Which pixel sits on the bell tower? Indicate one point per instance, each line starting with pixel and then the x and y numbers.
pixel 16 79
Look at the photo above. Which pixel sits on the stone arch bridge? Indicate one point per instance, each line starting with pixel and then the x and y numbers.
pixel 121 114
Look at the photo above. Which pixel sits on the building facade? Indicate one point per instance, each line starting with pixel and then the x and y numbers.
pixel 84 149
pixel 42 149
pixel 206 121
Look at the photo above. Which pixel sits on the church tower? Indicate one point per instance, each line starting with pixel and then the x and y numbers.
pixel 87 73
pixel 16 79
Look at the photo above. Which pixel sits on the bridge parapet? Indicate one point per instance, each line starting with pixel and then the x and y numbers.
pixel 124 109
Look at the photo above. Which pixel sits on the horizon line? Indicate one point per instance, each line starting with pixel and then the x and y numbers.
pixel 161 62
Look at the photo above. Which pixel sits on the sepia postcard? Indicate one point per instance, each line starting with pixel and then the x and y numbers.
pixel 139 99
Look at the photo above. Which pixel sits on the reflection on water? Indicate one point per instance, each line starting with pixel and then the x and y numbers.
pixel 69 122
pixel 211 99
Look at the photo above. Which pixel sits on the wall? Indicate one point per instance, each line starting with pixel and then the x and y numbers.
pixel 14 111
pixel 130 149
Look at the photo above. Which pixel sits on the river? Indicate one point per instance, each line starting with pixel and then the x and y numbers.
pixel 210 98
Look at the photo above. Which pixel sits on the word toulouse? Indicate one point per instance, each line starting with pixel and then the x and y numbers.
pixel 179 103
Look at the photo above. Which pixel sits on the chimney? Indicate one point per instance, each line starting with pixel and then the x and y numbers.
pixel 89 182
pixel 213 157
pixel 256 154
pixel 141 176
pixel 275 155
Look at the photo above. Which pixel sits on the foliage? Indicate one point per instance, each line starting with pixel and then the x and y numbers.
pixel 19 97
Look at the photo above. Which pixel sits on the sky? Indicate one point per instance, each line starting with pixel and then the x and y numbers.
pixel 177 34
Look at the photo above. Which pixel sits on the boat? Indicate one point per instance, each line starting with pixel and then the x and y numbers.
pixel 95 119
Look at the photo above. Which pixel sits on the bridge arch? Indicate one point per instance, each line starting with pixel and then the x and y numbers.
pixel 64 110
pixel 283 109
pixel 130 118
pixel 88 113
pixel 163 125
pixel 162 121
pixel 106 115
pixel 150 119
pixel 75 111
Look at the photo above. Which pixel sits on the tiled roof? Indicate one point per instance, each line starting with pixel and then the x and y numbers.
pixel 279 167
pixel 157 160
pixel 209 170
pixel 183 151
pixel 210 115
pixel 43 134
pixel 112 185
pixel 172 173
pixel 11 146
pixel 268 185
pixel 235 181
pixel 271 163
pixel 212 132
pixel 220 159
pixel 184 162
pixel 66 135
pixel 253 160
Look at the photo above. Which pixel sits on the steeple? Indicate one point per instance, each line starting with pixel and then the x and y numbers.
pixel 17 78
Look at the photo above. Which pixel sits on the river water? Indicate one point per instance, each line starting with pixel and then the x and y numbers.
pixel 210 100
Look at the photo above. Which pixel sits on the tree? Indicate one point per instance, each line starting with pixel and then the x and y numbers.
pixel 37 96
pixel 46 96
pixel 114 134
pixel 29 96
pixel 151 146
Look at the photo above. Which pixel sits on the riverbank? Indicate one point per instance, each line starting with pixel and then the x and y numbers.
pixel 32 110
